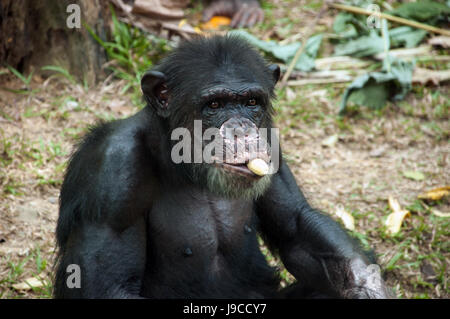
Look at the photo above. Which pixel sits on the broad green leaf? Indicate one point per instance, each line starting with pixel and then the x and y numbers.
pixel 348 25
pixel 286 52
pixel 361 47
pixel 374 89
pixel 425 11
pixel 406 36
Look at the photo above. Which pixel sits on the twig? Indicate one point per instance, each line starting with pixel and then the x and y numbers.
pixel 302 48
pixel 403 53
pixel 317 81
pixel 391 18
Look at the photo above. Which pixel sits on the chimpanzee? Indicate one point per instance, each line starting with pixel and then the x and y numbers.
pixel 140 224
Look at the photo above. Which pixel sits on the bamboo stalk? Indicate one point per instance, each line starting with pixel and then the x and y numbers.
pixel 386 16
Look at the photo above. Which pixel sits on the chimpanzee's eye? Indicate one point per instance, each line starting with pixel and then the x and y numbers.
pixel 214 104
pixel 251 102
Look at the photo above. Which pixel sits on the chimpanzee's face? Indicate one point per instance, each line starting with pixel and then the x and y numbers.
pixel 235 119
pixel 224 105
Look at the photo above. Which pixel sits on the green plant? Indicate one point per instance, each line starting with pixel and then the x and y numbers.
pixel 132 53
pixel 61 72
pixel 25 80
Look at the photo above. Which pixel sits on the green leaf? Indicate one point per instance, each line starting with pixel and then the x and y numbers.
pixel 348 25
pixel 25 80
pixel 406 36
pixel 372 94
pixel 361 47
pixel 425 11
pixel 414 175
pixel 286 52
pixel 61 71
pixel 374 89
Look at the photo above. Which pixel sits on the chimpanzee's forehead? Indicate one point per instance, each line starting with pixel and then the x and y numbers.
pixel 230 91
pixel 235 77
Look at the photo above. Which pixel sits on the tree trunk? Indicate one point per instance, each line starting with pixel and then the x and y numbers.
pixel 35 33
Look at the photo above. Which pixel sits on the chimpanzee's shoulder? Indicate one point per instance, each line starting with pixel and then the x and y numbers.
pixel 122 133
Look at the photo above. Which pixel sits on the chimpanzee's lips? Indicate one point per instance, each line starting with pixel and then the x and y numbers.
pixel 240 169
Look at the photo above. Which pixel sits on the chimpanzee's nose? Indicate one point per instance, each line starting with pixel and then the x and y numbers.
pixel 238 127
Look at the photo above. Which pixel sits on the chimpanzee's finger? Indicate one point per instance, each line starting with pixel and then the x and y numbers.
pixel 260 16
pixel 237 18
pixel 244 18
pixel 219 8
pixel 252 19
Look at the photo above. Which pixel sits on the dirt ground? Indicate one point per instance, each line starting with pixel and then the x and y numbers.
pixel 366 164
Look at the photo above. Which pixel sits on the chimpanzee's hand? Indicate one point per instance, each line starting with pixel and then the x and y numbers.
pixel 244 13
pixel 364 282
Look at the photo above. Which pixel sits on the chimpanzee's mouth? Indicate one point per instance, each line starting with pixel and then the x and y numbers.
pixel 240 169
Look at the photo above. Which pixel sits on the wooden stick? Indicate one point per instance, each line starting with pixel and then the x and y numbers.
pixel 391 18
pixel 302 48
pixel 317 81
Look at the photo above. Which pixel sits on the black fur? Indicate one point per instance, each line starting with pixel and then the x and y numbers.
pixel 139 226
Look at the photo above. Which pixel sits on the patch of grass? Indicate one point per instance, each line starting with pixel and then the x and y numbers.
pixel 314 5
pixel 13 187
pixel 26 81
pixel 132 52
pixel 60 71
pixel 32 265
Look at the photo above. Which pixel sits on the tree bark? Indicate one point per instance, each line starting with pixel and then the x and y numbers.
pixel 35 33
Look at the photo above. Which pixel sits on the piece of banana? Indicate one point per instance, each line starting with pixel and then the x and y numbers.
pixel 258 166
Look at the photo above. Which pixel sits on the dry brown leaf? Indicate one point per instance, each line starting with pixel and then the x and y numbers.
pixel 436 193
pixel 158 9
pixel 395 219
pixel 424 76
pixel 440 41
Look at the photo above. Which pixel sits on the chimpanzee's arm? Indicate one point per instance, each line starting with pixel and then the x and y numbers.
pixel 101 226
pixel 313 247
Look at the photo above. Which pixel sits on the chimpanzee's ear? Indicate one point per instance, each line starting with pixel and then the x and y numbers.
pixel 275 69
pixel 155 91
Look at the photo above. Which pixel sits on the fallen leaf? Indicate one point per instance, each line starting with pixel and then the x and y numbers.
pixel 216 22
pixel 439 214
pixel 29 283
pixel 415 175
pixel 424 76
pixel 347 218
pixel 436 193
pixel 378 151
pixel 330 141
pixel 158 9
pixel 290 95
pixel 440 41
pixel 374 89
pixel 395 219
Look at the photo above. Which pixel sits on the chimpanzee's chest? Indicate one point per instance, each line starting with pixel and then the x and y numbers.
pixel 198 223
pixel 195 234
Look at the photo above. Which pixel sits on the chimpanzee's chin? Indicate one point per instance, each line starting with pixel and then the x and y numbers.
pixel 233 184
